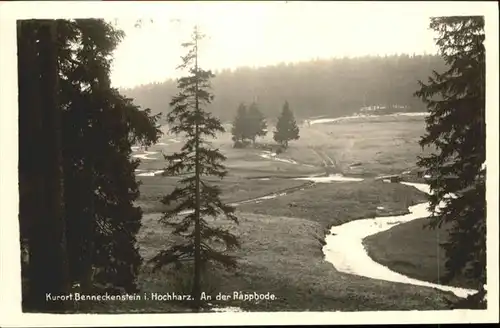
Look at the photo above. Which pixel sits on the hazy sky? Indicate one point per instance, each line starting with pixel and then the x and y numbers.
pixel 259 34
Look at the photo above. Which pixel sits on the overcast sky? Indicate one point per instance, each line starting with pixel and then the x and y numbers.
pixel 259 34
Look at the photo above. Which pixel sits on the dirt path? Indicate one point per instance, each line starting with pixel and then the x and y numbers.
pixel 325 164
pixel 329 163
pixel 278 193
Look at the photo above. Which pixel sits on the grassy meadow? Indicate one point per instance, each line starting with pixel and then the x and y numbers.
pixel 367 147
pixel 282 238
pixel 418 254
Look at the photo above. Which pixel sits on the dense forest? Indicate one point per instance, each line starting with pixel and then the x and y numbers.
pixel 333 87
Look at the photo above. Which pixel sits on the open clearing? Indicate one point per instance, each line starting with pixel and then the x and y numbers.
pixel 282 237
pixel 367 147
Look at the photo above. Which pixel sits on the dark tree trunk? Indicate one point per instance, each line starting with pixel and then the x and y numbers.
pixel 48 262
pixel 30 125
pixel 87 273
pixel 89 221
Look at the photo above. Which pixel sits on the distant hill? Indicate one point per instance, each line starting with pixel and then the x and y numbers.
pixel 332 87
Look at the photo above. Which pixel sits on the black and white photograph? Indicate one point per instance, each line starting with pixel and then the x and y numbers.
pixel 288 162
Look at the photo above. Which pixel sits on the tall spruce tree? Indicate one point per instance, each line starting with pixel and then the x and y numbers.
pixel 99 126
pixel 194 197
pixel 240 126
pixel 256 122
pixel 286 127
pixel 456 128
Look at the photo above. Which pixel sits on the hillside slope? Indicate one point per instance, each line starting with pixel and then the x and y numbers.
pixel 333 87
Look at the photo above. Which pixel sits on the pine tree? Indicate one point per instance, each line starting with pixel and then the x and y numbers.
pixel 286 127
pixel 240 126
pixel 99 126
pixel 195 198
pixel 456 128
pixel 256 122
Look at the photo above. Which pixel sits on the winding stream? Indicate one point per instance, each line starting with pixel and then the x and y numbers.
pixel 331 178
pixel 344 246
pixel 145 155
pixel 345 250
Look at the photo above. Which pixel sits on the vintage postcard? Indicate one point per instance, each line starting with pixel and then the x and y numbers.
pixel 236 163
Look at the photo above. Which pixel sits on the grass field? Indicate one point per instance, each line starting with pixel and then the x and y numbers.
pixel 375 146
pixel 282 238
pixel 282 256
pixel 418 254
pixel 234 189
pixel 387 146
pixel 337 203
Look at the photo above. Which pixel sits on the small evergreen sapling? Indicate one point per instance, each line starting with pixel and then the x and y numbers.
pixel 194 198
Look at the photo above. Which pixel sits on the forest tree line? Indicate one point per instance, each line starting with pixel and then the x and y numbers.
pixel 333 87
